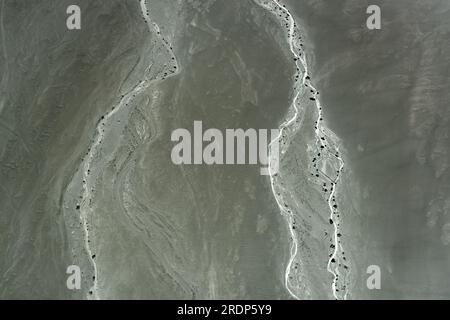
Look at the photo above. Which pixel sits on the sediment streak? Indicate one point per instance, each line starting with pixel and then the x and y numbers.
pixel 320 132
pixel 88 181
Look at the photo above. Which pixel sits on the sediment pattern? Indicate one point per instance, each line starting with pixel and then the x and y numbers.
pixel 326 165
